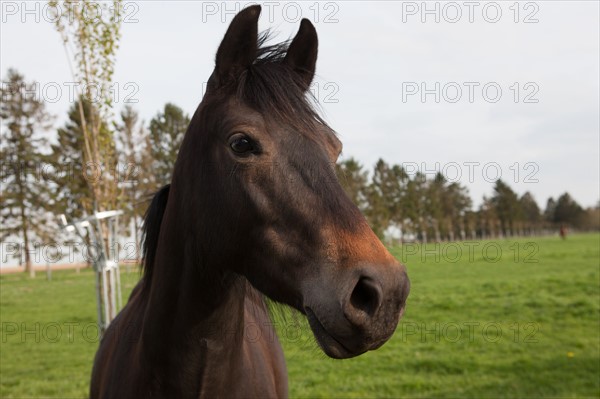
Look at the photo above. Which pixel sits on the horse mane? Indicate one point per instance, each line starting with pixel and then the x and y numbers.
pixel 151 230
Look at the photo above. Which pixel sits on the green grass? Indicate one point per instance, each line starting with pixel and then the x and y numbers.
pixel 504 319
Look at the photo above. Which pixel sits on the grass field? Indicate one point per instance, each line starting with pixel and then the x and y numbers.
pixel 484 320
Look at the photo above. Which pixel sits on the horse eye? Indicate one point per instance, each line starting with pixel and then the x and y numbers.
pixel 242 145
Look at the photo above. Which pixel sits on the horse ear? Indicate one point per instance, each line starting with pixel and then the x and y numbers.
pixel 238 49
pixel 302 53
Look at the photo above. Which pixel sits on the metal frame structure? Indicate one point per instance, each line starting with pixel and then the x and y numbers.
pixel 105 260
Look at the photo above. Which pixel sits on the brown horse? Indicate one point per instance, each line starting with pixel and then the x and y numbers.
pixel 253 208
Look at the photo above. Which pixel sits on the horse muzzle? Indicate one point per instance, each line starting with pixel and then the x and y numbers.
pixel 359 314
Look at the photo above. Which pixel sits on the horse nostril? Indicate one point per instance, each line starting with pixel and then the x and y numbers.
pixel 366 296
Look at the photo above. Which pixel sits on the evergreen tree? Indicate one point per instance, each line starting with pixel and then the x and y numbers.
pixel 385 196
pixel 550 209
pixel 456 205
pixel 398 181
pixel 135 180
pixel 568 211
pixel 353 179
pixel 378 212
pixel 415 207
pixel 530 211
pixel 488 219
pixel 73 195
pixel 435 205
pixel 25 195
pixel 167 129
pixel 506 204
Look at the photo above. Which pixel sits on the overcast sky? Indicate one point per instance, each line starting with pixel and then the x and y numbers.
pixel 541 132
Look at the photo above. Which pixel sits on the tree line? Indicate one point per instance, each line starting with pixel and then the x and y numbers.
pixel 435 209
pixel 48 172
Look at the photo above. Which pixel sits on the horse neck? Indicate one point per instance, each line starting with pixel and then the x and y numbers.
pixel 194 304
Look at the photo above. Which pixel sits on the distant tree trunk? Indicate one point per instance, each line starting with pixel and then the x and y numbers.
pixel 436 229
pixel 450 231
pixel 24 222
pixel 423 231
pixel 135 218
pixel 28 266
